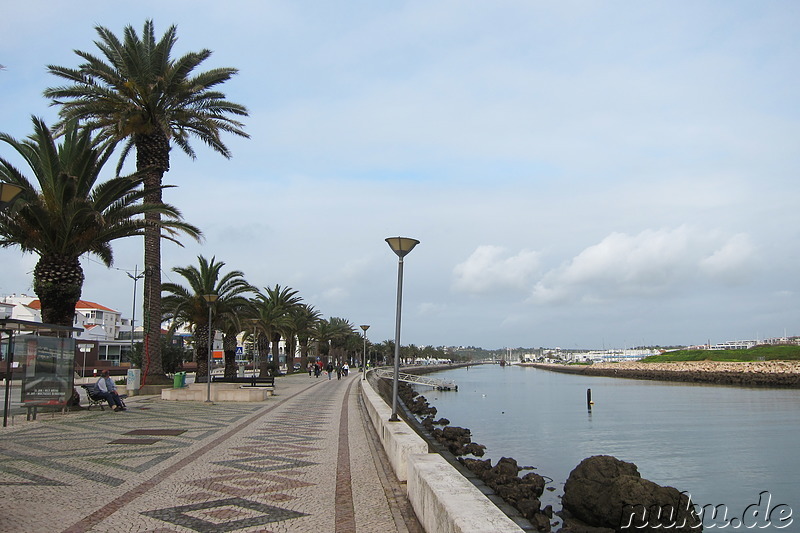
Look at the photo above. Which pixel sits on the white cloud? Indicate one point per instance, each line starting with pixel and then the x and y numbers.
pixel 490 268
pixel 733 263
pixel 652 262
pixel 564 134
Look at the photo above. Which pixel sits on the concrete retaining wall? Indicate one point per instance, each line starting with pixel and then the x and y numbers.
pixel 220 392
pixel 399 440
pixel 443 500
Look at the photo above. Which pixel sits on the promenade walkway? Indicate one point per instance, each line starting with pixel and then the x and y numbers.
pixel 305 460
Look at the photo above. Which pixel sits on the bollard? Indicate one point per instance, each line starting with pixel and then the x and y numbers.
pixel 589 402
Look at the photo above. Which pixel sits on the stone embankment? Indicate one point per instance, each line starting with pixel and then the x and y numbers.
pixel 748 374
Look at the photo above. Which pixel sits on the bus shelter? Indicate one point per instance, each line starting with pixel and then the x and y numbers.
pixel 39 363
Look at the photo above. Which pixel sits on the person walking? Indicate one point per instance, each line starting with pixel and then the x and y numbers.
pixel 329 370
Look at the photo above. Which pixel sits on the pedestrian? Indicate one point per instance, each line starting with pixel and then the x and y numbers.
pixel 317 371
pixel 310 370
pixel 338 372
pixel 108 390
pixel 345 369
pixel 329 370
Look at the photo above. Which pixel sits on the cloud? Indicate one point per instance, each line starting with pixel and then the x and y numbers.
pixel 490 268
pixel 733 263
pixel 650 263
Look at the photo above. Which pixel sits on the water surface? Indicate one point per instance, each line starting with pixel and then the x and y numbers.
pixel 723 445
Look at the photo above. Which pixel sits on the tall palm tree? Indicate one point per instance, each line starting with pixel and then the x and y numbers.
pixel 274 319
pixel 186 305
pixel 70 214
pixel 343 328
pixel 137 91
pixel 304 318
pixel 332 333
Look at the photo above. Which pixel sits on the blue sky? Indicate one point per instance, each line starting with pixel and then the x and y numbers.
pixel 579 174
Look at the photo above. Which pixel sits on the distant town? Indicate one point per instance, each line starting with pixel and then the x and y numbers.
pixel 555 355
pixel 112 337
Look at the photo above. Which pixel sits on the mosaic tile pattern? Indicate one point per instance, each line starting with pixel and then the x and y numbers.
pixel 190 466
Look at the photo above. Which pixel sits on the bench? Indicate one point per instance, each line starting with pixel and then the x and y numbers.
pixel 93 398
pixel 246 381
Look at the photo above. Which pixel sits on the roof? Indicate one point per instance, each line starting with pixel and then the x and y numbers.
pixel 11 324
pixel 82 304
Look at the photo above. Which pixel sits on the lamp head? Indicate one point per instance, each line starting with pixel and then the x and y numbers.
pixel 402 245
pixel 8 193
pixel 210 298
pixel 365 327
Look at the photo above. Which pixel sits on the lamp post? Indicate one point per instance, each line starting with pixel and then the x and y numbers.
pixel 210 299
pixel 135 277
pixel 256 353
pixel 8 193
pixel 400 246
pixel 364 327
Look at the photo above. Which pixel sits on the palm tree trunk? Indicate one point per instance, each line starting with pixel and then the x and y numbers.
pixel 303 355
pixel 152 158
pixel 57 281
pixel 201 349
pixel 263 350
pixel 276 354
pixel 229 347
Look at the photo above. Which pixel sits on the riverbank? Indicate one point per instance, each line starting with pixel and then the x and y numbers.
pixel 784 374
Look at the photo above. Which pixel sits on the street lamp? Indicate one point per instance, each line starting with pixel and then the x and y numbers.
pixel 8 193
pixel 400 246
pixel 256 353
pixel 365 327
pixel 135 277
pixel 210 299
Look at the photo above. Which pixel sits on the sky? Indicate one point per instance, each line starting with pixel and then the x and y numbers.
pixel 580 174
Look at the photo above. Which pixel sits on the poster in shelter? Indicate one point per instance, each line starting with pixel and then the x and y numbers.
pixel 48 367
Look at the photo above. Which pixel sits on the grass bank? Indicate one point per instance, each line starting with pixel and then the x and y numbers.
pixel 759 353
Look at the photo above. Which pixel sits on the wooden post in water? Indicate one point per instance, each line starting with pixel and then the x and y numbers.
pixel 589 401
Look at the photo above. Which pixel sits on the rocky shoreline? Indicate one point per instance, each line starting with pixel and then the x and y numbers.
pixel 597 495
pixel 783 374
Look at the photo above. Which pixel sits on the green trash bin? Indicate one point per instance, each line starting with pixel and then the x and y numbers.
pixel 179 380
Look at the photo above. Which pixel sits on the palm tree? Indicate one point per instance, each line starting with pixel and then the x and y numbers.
pixel 186 305
pixel 232 322
pixel 70 214
pixel 304 318
pixel 332 333
pixel 140 93
pixel 274 320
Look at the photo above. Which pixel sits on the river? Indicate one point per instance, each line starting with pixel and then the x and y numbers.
pixel 724 445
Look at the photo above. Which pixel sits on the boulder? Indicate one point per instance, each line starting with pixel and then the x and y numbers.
pixel 604 492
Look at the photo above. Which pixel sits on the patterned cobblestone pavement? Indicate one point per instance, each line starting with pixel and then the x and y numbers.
pixel 306 460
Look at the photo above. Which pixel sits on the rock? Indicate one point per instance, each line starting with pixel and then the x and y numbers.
pixel 604 492
pixel 536 483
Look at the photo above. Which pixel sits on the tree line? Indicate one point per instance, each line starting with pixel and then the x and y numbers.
pixel 135 96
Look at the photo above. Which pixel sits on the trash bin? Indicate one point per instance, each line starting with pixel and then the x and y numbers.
pixel 179 380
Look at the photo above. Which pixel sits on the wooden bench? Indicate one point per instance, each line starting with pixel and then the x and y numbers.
pixel 246 381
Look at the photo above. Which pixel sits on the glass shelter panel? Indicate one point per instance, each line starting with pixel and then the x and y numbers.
pixel 48 367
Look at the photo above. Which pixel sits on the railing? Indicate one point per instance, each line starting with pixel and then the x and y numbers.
pixel 439 384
